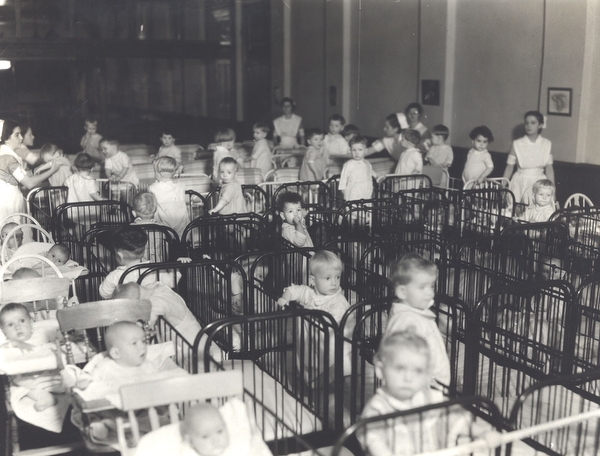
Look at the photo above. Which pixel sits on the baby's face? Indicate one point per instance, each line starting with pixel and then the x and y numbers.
pixel 91 127
pixel 480 143
pixel 419 292
pixel 132 348
pixel 16 325
pixel 543 197
pixel 327 281
pixel 109 150
pixel 290 212
pixel 209 436
pixel 227 173
pixel 167 140
pixel 56 256
pixel 15 240
pixel 358 151
pixel 316 141
pixel 259 134
pixel 335 127
pixel 404 372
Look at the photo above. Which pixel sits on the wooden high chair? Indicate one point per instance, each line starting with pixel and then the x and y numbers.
pixel 175 393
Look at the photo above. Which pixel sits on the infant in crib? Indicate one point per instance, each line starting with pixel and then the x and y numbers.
pixel 207 431
pixel 165 302
pixel 58 254
pixel 404 364
pixel 17 326
pixel 125 361
pixel 414 278
pixel 293 227
pixel 14 242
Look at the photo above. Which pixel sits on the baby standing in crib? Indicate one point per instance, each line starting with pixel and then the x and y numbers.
pixel 479 163
pixel 356 180
pixel 405 365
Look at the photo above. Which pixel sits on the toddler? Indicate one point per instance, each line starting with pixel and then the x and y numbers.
pixel 90 142
pixel 392 141
pixel 117 165
pixel 414 279
pixel 411 160
pixel 334 144
pixel 170 195
pixel 479 163
pixel 542 205
pixel 314 162
pixel 225 141
pixel 165 302
pixel 293 227
pixel 261 153
pixel 208 431
pixel 49 154
pixel 17 327
pixel 356 180
pixel 438 152
pixel 349 132
pixel 144 206
pixel 129 243
pixel 231 197
pixel 404 364
pixel 168 148
pixel 325 294
pixel 82 186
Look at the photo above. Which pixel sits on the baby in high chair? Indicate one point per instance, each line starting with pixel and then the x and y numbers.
pixel 207 431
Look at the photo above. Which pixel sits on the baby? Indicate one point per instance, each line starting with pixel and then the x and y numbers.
pixel 225 142
pixel 207 431
pixel 17 326
pixel 117 164
pixel 91 140
pixel 144 207
pixel 170 195
pixel 334 144
pixel 49 154
pixel 411 160
pixel 168 148
pixel 58 254
pixel 414 280
pixel 231 197
pixel 261 153
pixel 405 365
pixel 293 227
pixel 15 241
pixel 542 206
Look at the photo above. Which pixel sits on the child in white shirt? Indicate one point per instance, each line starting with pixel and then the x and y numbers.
pixel 82 186
pixel 542 205
pixel 49 154
pixel 334 144
pixel 225 141
pixel 170 195
pixel 411 160
pixel 438 152
pixel 479 163
pixel 117 164
pixel 144 207
pixel 356 180
pixel 293 227
pixel 169 149
pixel 261 153
pixel 231 197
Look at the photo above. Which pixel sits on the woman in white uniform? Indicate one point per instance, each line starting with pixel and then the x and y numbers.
pixel 288 131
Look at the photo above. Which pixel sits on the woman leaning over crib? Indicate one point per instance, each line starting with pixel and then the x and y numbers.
pixel 533 157
pixel 12 172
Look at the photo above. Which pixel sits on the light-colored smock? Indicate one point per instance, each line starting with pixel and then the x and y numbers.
pixel 171 210
pixel 288 130
pixel 356 180
pixel 531 159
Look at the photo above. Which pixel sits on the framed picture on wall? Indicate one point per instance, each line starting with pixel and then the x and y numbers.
pixel 559 101
pixel 430 92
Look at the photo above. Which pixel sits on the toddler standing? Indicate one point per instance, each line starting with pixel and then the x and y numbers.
pixel 225 141
pixel 168 148
pixel 356 180
pixel 414 279
pixel 90 142
pixel 334 144
pixel 315 162
pixel 49 154
pixel 82 186
pixel 411 160
pixel 438 152
pixel 231 197
pixel 170 195
pixel 542 205
pixel 479 163
pixel 117 165
pixel 261 153
pixel 404 364
pixel 293 227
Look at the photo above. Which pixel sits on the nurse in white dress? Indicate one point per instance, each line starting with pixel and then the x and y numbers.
pixel 533 157
pixel 288 131
pixel 12 172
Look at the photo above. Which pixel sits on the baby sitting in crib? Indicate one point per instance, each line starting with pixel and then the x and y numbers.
pixel 207 431
pixel 127 359
pixel 14 242
pixel 17 327
pixel 293 227
pixel 405 366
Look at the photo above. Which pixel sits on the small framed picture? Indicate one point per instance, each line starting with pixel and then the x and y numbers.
pixel 559 101
pixel 430 92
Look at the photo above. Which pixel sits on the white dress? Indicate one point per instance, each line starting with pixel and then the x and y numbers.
pixel 11 173
pixel 531 159
pixel 172 210
pixel 287 130
pixel 356 180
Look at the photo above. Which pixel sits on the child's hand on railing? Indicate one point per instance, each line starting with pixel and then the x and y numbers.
pixel 282 302
pixel 184 260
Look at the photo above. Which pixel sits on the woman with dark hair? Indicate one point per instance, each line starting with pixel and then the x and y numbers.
pixel 413 113
pixel 29 158
pixel 288 131
pixel 12 172
pixel 532 154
